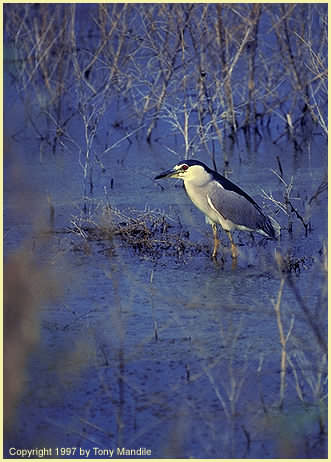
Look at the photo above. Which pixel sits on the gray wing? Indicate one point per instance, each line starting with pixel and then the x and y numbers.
pixel 236 208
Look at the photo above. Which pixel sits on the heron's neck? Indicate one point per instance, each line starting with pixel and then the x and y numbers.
pixel 197 182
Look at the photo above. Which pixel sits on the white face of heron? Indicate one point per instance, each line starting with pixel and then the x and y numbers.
pixel 194 174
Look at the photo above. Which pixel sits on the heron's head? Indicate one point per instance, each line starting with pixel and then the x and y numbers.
pixel 187 170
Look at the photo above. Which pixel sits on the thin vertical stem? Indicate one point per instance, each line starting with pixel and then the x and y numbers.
pixel 282 342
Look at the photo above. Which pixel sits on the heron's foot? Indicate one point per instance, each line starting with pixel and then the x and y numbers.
pixel 216 246
pixel 218 262
pixel 234 250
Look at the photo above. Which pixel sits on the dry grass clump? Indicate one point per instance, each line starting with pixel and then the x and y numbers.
pixel 149 233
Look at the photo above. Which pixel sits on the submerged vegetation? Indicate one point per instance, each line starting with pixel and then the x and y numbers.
pixel 150 233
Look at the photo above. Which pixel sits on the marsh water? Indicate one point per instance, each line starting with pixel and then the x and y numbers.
pixel 172 353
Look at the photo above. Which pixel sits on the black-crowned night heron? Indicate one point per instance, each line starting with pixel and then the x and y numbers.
pixel 222 202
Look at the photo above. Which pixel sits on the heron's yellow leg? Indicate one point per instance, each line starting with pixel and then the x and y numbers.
pixel 234 250
pixel 216 241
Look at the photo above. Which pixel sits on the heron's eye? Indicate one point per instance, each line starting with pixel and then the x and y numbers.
pixel 184 167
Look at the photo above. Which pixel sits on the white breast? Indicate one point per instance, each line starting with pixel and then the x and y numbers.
pixel 198 196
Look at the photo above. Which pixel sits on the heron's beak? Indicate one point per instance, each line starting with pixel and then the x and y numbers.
pixel 172 173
